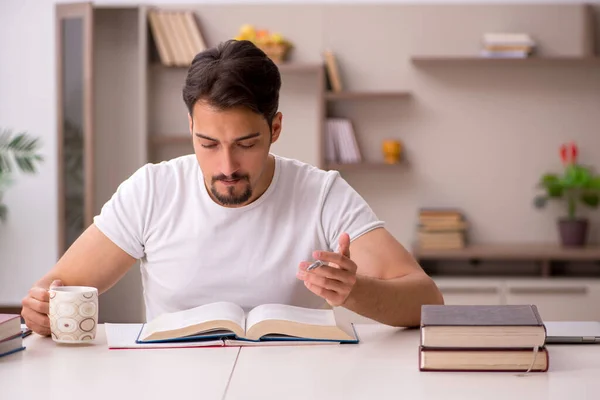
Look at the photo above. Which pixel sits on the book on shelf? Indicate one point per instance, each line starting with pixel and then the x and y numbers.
pixel 177 36
pixel 507 45
pixel 11 334
pixel 227 323
pixel 341 144
pixel 442 228
pixel 332 72
pixel 482 338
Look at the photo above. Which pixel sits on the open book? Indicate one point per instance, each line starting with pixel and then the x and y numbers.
pixel 228 321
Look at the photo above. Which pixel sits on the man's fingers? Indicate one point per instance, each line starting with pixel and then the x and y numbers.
pixel 41 330
pixel 31 316
pixel 337 258
pixel 326 283
pixel 344 243
pixel 329 295
pixel 41 307
pixel 337 274
pixel 55 283
pixel 39 293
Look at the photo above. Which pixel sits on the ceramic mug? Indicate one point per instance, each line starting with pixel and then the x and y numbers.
pixel 73 313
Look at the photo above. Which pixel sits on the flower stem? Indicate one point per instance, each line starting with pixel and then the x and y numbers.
pixel 571 203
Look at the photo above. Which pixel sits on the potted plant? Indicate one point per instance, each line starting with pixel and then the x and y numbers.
pixel 17 151
pixel 577 185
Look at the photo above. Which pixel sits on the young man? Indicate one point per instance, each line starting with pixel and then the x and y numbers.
pixel 233 222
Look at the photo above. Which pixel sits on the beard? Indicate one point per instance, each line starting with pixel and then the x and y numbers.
pixel 231 198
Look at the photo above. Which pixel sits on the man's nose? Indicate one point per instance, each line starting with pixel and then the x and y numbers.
pixel 228 163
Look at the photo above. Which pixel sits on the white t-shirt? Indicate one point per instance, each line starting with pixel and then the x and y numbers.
pixel 194 251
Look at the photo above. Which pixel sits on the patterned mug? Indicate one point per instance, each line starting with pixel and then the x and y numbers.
pixel 73 313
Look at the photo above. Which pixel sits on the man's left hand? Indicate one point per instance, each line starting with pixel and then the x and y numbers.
pixel 335 281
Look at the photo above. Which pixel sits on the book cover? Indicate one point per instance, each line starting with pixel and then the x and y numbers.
pixel 480 315
pixel 482 326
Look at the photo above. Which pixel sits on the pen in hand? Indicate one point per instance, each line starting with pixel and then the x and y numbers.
pixel 314 265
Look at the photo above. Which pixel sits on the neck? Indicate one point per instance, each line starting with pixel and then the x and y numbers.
pixel 264 181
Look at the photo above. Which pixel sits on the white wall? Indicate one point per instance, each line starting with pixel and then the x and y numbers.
pixel 28 244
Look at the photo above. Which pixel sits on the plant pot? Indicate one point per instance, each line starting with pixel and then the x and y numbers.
pixel 573 232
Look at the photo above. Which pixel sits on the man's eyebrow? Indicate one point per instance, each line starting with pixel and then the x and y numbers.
pixel 250 136
pixel 201 136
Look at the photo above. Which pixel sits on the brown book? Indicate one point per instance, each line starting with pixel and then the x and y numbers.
pixel 333 71
pixel 437 225
pixel 482 326
pixel 159 34
pixel 499 360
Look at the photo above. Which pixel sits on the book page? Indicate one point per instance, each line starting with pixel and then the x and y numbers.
pixel 205 313
pixel 290 313
pixel 123 336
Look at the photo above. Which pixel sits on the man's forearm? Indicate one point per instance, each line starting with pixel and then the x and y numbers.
pixel 395 302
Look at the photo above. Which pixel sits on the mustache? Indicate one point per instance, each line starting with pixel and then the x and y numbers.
pixel 233 176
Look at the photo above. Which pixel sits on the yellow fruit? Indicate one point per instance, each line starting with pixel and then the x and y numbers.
pixel 247 30
pixel 277 38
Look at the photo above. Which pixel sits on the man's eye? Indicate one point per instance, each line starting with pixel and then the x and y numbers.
pixel 209 146
pixel 246 146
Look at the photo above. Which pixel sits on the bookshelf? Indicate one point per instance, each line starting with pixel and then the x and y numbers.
pixel 363 166
pixel 513 251
pixel 475 60
pixel 550 258
pixel 365 95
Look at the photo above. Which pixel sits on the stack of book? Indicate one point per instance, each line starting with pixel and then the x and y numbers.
pixel 342 147
pixel 176 35
pixel 507 45
pixel 441 229
pixel 11 337
pixel 482 338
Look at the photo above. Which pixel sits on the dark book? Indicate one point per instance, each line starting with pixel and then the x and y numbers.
pixel 482 326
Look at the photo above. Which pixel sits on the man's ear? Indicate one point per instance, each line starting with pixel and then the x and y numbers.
pixel 191 124
pixel 276 126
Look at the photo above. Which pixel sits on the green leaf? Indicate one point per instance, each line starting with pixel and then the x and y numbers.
pixel 5 166
pixel 549 179
pixel 590 199
pixel 552 184
pixel 20 149
pixel 594 183
pixel 577 176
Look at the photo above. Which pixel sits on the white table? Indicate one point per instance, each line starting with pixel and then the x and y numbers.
pixel 385 366
pixel 382 366
pixel 46 370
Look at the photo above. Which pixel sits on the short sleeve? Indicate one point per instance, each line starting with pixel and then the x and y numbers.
pixel 123 218
pixel 345 211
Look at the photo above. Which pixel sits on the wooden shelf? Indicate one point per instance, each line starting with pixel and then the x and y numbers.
pixel 367 95
pixel 170 139
pixel 515 252
pixel 299 67
pixel 432 60
pixel 362 166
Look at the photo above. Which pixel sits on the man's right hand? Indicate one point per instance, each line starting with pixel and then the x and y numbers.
pixel 36 306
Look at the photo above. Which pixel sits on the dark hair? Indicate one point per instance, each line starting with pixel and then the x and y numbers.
pixel 235 73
